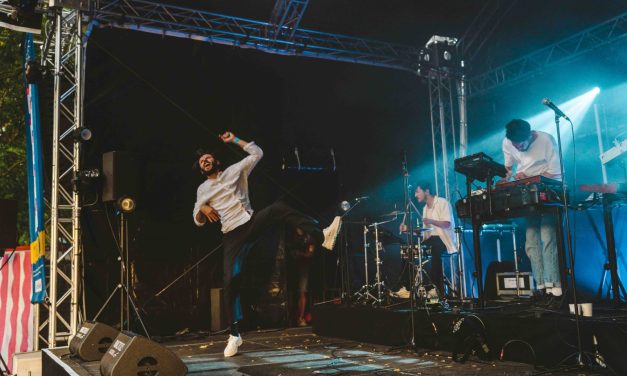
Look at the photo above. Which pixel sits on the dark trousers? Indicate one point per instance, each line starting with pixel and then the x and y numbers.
pixel 238 242
pixel 435 273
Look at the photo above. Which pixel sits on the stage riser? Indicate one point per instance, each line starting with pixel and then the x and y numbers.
pixel 383 327
pixel 552 337
pixel 53 365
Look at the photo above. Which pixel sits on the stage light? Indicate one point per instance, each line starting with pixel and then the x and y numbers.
pixel 345 206
pixel 596 90
pixel 424 56
pixel 126 204
pixel 575 109
pixel 82 134
pixel 440 53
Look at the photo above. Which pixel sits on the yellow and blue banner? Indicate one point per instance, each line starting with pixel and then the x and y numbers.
pixel 35 183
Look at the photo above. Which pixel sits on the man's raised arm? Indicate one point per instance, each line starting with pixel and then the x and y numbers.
pixel 255 153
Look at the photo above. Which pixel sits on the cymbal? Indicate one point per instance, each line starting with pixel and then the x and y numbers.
pixel 392 213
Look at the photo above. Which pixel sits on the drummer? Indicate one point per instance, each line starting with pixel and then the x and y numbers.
pixel 437 215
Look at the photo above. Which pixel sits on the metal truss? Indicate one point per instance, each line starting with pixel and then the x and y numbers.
pixel 64 53
pixel 169 20
pixel 443 99
pixel 561 52
pixel 286 17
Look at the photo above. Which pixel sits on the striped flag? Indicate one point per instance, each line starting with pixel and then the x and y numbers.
pixel 35 183
pixel 16 313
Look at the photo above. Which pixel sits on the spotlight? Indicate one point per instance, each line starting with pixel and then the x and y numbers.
pixel 424 56
pixel 345 206
pixel 126 204
pixel 81 134
pixel 441 52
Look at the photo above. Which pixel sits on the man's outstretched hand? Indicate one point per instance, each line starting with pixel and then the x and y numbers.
pixel 227 137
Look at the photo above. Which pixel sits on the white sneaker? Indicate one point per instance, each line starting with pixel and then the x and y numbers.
pixel 432 294
pixel 555 291
pixel 402 293
pixel 331 232
pixel 232 345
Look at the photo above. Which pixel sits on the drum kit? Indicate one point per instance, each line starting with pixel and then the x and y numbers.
pixel 414 254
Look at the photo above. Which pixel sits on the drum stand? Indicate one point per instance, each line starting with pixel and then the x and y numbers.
pixel 364 295
pixel 419 288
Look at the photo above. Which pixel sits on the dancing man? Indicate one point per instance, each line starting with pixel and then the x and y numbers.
pixel 535 153
pixel 223 197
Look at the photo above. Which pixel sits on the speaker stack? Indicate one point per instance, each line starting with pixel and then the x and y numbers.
pixel 120 170
pixel 92 340
pixel 132 355
pixel 124 353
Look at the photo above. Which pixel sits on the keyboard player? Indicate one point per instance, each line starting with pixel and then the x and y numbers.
pixel 529 153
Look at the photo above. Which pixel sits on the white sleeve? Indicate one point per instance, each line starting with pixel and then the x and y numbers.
pixel 247 164
pixel 199 202
pixel 507 156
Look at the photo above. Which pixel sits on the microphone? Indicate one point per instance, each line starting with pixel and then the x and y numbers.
pixel 297 157
pixel 547 102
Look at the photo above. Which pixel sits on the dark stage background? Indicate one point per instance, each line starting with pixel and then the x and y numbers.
pixel 162 98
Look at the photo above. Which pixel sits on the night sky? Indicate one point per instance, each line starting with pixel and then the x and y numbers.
pixel 164 97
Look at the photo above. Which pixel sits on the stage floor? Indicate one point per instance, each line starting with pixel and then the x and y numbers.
pixel 298 351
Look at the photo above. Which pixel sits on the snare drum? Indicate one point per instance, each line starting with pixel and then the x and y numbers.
pixel 408 252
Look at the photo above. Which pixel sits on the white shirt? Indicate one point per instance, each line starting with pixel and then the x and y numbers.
pixel 228 193
pixel 541 157
pixel 441 211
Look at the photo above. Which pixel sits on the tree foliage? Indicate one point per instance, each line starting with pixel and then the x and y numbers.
pixel 13 181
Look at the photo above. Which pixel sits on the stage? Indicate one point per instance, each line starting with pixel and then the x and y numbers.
pixel 512 330
pixel 298 351
pixel 366 340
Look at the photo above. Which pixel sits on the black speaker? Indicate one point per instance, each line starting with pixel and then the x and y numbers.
pixel 132 355
pixel 92 340
pixel 120 170
pixel 8 224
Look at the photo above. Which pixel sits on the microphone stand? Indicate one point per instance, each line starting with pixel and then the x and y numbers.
pixel 407 218
pixel 571 257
